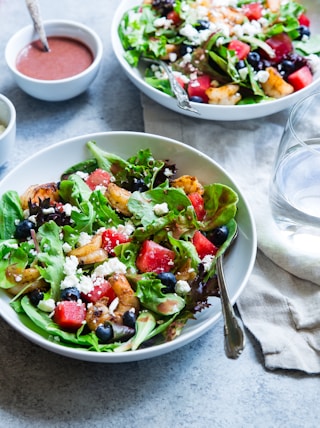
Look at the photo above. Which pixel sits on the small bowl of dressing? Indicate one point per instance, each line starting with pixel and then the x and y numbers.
pixel 65 71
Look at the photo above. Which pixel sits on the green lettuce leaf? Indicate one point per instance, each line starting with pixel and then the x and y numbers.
pixel 51 256
pixel 10 211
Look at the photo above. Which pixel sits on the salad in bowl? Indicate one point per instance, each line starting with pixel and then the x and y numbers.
pixel 117 255
pixel 223 53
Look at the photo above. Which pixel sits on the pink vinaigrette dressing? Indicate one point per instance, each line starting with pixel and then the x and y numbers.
pixel 67 57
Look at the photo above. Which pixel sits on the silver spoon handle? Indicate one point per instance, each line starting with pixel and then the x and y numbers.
pixel 233 334
pixel 33 8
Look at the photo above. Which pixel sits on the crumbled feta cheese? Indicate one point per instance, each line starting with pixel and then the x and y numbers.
pixel 262 76
pixel 69 281
pixel 50 210
pixel 173 56
pixel 33 219
pixel 70 265
pixel 167 172
pixel 66 247
pixel 190 32
pixel 84 239
pixel 162 22
pixel 101 188
pixel 110 266
pixel 161 209
pixel 85 284
pixel 67 209
pixel 83 175
pixel 47 305
pixel 207 262
pixel 182 287
pixel 126 229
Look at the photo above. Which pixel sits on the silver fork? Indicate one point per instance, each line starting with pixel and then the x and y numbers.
pixel 234 340
pixel 179 92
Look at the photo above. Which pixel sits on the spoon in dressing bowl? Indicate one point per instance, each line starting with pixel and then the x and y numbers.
pixel 233 334
pixel 33 9
pixel 179 92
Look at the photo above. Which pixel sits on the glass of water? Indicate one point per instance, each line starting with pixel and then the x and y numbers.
pixel 295 183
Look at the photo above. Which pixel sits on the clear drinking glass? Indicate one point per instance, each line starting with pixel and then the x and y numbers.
pixel 295 184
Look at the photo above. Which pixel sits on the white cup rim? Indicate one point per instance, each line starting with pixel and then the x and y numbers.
pixel 12 119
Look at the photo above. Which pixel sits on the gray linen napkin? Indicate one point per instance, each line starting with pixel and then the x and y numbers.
pixel 281 302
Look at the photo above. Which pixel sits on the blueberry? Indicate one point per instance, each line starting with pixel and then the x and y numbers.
pixel 104 332
pixel 70 293
pixel 129 319
pixel 240 64
pixel 186 49
pixel 202 24
pixel 196 99
pixel 139 185
pixel 253 59
pixel 36 296
pixel 288 66
pixel 23 229
pixel 218 235
pixel 303 31
pixel 168 280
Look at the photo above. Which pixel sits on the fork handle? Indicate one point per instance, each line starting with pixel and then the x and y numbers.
pixel 233 334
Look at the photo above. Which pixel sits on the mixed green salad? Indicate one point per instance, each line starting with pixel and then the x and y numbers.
pixel 118 254
pixel 224 51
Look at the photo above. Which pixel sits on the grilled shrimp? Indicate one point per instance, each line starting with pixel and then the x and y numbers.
pixel 125 294
pixel 276 86
pixel 224 95
pixel 118 198
pixel 24 280
pixel 189 184
pixel 90 253
pixel 98 313
pixel 41 191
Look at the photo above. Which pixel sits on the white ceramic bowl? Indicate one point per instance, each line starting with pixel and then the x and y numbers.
pixel 8 136
pixel 212 112
pixel 55 90
pixel 47 165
